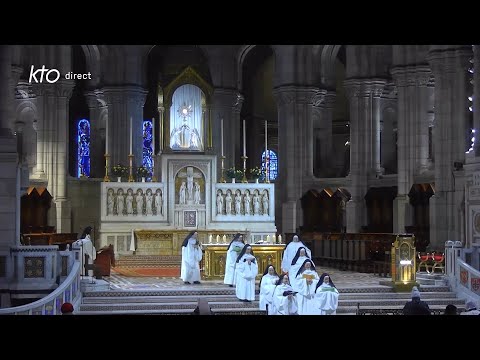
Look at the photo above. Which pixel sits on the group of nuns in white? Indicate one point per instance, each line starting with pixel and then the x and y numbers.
pixel 299 292
pixel 191 257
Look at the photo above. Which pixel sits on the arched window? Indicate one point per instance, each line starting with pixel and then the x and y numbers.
pixel 272 165
pixel 148 146
pixel 83 145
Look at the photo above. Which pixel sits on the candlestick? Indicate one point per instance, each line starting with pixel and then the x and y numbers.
pixel 218 239
pixel 153 137
pixel 268 239
pixel 221 130
pixel 210 238
pixel 106 178
pixel 130 175
pixel 279 239
pixel 224 239
pixel 244 140
pixel 131 136
pixel 244 179
pixel 222 178
pixel 266 146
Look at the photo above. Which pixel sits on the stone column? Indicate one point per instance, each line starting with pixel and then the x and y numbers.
pixel 226 105
pixel 322 116
pixel 451 113
pixel 364 143
pixel 476 97
pixel 294 126
pixel 97 136
pixel 376 105
pixel 8 158
pixel 124 102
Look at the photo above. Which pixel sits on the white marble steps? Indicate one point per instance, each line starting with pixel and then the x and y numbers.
pixel 157 299
pixel 137 307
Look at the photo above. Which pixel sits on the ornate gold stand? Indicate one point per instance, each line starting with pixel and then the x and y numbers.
pixel 106 178
pixel 130 170
pixel 244 179
pixel 222 179
pixel 267 167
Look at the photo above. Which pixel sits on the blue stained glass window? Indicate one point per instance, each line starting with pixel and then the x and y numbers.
pixel 83 142
pixel 272 165
pixel 148 147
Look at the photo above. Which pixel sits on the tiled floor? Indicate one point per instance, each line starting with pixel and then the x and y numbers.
pixel 342 279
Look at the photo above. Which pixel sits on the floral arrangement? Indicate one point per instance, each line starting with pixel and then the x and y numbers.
pixel 234 174
pixel 142 171
pixel 256 172
pixel 120 170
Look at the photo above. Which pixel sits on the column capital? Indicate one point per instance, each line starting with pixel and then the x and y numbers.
pixel 416 75
pixel 125 93
pixel 24 91
pixel 356 87
pixel 64 88
pixel 288 94
pixel 230 98
pixel 450 61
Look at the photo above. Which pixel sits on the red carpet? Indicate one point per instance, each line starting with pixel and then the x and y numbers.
pixel 148 272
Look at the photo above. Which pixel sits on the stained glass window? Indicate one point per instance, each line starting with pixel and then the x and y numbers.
pixel 83 143
pixel 272 165
pixel 148 147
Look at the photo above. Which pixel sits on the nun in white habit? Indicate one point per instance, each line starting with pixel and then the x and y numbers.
pixel 290 251
pixel 246 269
pixel 306 283
pixel 297 263
pixel 267 287
pixel 284 298
pixel 235 247
pixel 326 296
pixel 191 257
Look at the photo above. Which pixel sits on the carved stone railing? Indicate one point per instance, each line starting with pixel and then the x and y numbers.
pixel 243 202
pixel 68 291
pixel 126 202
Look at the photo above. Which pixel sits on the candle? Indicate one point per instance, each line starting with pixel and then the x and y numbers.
pixel 279 239
pixel 218 239
pixel 221 130
pixel 131 136
pixel 210 239
pixel 266 147
pixel 268 239
pixel 106 135
pixel 153 136
pixel 244 140
pixel 224 239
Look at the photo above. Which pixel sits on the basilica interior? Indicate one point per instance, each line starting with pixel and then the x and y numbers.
pixel 346 146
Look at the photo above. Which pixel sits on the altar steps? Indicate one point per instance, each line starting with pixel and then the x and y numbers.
pixel 222 301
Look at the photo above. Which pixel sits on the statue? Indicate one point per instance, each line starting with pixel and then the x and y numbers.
pixel 238 200
pixel 129 200
pixel 256 204
pixel 246 203
pixel 182 198
pixel 148 202
pixel 265 203
pixel 110 202
pixel 198 194
pixel 159 202
pixel 139 201
pixel 220 203
pixel 120 202
pixel 189 186
pixel 228 203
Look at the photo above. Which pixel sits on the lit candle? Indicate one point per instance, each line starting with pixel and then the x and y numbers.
pixel 210 239
pixel 153 136
pixel 131 136
pixel 266 148
pixel 279 239
pixel 273 239
pixel 268 239
pixel 221 130
pixel 244 140
pixel 106 135
pixel 218 239
pixel 224 239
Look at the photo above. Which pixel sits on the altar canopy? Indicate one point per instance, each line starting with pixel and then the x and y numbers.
pixel 186 119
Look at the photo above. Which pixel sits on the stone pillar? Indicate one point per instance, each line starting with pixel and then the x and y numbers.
pixel 8 158
pixel 376 105
pixel 97 136
pixel 226 105
pixel 322 116
pixel 294 126
pixel 451 113
pixel 364 131
pixel 124 102
pixel 476 97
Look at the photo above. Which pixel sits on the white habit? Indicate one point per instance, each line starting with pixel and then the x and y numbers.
pixel 289 254
pixel 232 253
pixel 306 292
pixel 245 278
pixel 283 305
pixel 267 288
pixel 326 298
pixel 86 247
pixel 191 257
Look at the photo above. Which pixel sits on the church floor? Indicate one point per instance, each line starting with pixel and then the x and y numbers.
pixel 342 279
